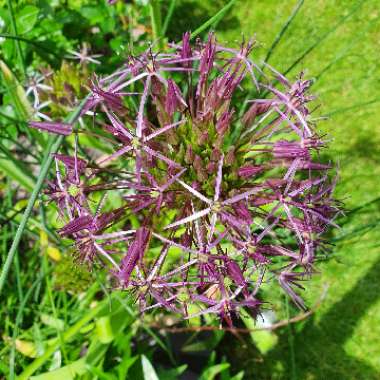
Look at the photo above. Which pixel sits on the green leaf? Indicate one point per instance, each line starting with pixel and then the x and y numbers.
pixel 14 172
pixel 263 340
pixel 17 93
pixel 104 330
pixel 238 376
pixel 26 18
pixel 51 321
pixel 66 336
pixel 68 372
pixel 148 370
pixel 56 361
pixel 173 373
pixel 211 372
pixel 123 368
pixel 206 344
pixel 99 374
pixel 117 45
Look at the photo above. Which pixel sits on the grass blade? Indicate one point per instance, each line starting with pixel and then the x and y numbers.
pixel 17 93
pixel 16 173
pixel 358 208
pixel 17 42
pixel 156 21
pixel 323 37
pixel 362 230
pixel 168 17
pixel 67 335
pixel 293 374
pixel 37 44
pixel 16 169
pixel 344 51
pixel 352 107
pixel 213 19
pixel 18 322
pixel 20 100
pixel 272 48
pixel 283 30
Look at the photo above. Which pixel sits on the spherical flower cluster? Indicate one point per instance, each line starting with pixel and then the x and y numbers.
pixel 217 193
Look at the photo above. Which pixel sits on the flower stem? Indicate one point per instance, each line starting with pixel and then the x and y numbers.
pixel 291 342
pixel 53 146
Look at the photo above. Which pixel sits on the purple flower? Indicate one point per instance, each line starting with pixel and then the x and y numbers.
pixel 76 225
pixel 185 51
pixel 212 200
pixel 71 163
pixel 248 171
pixel 174 100
pixel 52 127
pixel 135 252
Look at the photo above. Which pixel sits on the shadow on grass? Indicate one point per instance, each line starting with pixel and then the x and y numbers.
pixel 365 147
pixel 318 346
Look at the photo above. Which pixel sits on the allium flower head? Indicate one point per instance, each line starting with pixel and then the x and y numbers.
pixel 216 195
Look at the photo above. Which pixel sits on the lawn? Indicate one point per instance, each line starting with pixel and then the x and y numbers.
pixel 340 341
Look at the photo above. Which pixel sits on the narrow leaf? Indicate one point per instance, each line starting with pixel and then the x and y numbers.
pixel 323 37
pixel 68 372
pixel 17 93
pixel 148 370
pixel 211 372
pixel 213 19
pixel 21 177
pixel 283 30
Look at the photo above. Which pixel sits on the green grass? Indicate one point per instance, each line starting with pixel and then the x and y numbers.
pixel 341 340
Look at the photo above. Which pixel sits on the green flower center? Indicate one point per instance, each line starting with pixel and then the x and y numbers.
pixel 154 193
pixel 216 207
pixel 135 142
pixel 73 190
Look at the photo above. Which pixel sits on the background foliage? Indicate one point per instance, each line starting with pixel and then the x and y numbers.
pixel 49 321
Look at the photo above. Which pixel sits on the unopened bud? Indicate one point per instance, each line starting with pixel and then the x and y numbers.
pixel 211 167
pixel 256 109
pixel 203 138
pixel 230 156
pixel 199 169
pixel 215 155
pixel 189 155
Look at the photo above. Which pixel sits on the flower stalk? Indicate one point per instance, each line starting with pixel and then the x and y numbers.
pixel 53 146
